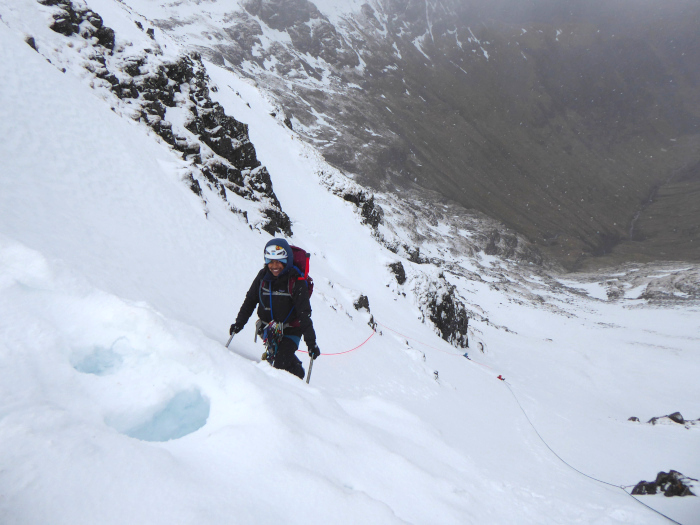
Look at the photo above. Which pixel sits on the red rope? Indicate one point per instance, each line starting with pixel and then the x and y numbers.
pixel 410 338
pixel 352 349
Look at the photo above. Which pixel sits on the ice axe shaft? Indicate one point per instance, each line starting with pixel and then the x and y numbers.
pixel 229 340
pixel 308 376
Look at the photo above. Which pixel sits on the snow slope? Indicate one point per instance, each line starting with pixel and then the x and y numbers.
pixel 120 404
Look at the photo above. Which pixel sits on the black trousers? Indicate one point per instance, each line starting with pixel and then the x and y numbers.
pixel 286 358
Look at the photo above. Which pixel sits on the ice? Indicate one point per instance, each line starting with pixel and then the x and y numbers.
pixel 184 413
pixel 99 361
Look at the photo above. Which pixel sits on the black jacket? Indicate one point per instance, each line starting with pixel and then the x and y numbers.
pixel 272 297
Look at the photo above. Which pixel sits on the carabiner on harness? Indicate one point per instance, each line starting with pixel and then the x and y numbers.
pixel 272 334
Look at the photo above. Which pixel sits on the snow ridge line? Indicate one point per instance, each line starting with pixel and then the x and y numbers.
pixel 622 487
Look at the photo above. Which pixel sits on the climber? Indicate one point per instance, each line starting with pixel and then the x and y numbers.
pixel 281 295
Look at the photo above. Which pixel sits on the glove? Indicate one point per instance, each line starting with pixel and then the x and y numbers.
pixel 235 328
pixel 314 352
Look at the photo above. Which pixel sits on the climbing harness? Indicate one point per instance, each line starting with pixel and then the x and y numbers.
pixel 272 332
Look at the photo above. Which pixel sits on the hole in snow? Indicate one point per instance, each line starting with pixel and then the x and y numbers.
pixel 100 361
pixel 183 414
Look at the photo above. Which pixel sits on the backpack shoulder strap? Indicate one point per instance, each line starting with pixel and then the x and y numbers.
pixel 293 279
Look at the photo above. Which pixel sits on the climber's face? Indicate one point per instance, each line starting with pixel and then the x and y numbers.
pixel 275 267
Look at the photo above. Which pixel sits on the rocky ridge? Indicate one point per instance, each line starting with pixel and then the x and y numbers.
pixel 171 96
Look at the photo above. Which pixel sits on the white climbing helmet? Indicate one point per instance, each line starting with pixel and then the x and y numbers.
pixel 274 252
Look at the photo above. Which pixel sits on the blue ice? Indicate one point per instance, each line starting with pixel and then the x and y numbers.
pixel 185 412
pixel 100 362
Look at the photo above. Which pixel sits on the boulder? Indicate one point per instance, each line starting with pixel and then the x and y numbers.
pixel 671 483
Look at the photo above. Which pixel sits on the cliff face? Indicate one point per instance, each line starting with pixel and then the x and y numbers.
pixel 577 126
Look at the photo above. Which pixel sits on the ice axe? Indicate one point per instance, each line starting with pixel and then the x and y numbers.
pixel 311 365
pixel 229 340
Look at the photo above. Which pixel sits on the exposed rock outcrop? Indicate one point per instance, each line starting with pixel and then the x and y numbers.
pixel 442 306
pixel 216 145
pixel 674 419
pixel 450 317
pixel 398 271
pixel 70 20
pixel 362 302
pixel 372 214
pixel 671 483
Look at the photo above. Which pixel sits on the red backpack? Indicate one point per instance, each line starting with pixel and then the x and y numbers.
pixel 301 263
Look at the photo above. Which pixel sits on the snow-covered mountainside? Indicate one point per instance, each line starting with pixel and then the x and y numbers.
pixel 461 379
pixel 575 123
